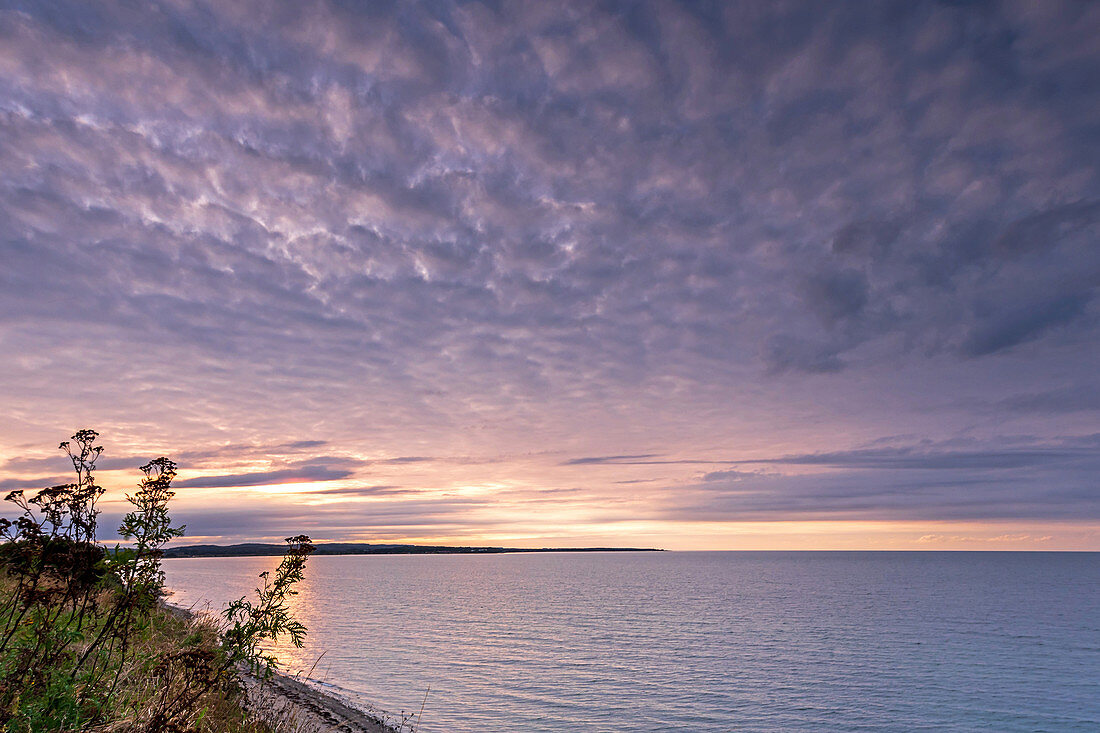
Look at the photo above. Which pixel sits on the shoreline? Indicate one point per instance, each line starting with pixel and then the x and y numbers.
pixel 288 704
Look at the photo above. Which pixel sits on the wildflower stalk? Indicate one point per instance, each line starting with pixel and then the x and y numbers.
pixel 59 586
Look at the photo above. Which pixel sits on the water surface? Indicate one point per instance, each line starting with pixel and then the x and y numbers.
pixel 698 641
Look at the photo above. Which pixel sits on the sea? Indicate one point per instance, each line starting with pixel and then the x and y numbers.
pixel 694 641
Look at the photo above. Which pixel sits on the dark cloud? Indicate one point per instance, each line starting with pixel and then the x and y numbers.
pixel 836 295
pixel 1046 229
pixel 309 472
pixel 937 459
pixel 32 483
pixel 643 459
pixel 728 475
pixel 628 459
pixel 1029 481
pixel 378 490
pixel 865 238
pixel 1054 401
pixel 187 459
pixel 1022 322
pixel 60 462
pixel 19 465
pixel 333 521
pixel 298 445
pixel 847 496
pixel 790 353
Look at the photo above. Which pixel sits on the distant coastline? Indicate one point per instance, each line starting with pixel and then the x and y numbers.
pixel 254 549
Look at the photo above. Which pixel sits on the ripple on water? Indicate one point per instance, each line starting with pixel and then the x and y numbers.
pixel 699 641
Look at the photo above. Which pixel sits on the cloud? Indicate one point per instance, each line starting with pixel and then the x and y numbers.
pixel 1022 323
pixel 866 238
pixel 1046 229
pixel 1054 401
pixel 836 295
pixel 789 353
pixel 497 213
pixel 334 521
pixel 1052 480
pixel 596 460
pixel 32 483
pixel 641 459
pixel 1013 538
pixel 377 490
pixel 260 478
pixel 937 458
pixel 444 232
pixel 728 475
pixel 298 445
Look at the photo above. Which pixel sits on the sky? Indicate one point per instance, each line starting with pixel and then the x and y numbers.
pixel 755 275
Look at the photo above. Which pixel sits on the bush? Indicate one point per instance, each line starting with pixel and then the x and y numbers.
pixel 83 641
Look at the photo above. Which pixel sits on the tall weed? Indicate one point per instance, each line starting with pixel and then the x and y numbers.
pixel 83 642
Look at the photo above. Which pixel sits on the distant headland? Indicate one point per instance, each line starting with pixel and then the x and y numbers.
pixel 253 549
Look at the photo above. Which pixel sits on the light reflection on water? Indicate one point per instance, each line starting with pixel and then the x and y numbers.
pixel 698 641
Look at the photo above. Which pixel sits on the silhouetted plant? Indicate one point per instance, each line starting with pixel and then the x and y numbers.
pixel 70 611
pixel 137 569
pixel 252 624
pixel 85 492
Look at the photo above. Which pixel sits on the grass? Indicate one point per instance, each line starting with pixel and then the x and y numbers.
pixel 60 702
pixel 86 644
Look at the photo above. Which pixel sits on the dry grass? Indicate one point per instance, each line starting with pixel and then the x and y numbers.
pixel 142 688
pixel 143 683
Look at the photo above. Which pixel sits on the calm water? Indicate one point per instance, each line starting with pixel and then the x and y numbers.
pixel 699 641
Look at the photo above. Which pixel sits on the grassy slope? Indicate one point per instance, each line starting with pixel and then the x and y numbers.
pixel 69 706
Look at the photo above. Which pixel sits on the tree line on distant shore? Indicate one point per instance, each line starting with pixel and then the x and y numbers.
pixel 85 642
pixel 257 549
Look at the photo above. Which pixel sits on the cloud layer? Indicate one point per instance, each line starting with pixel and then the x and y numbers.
pixel 442 236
